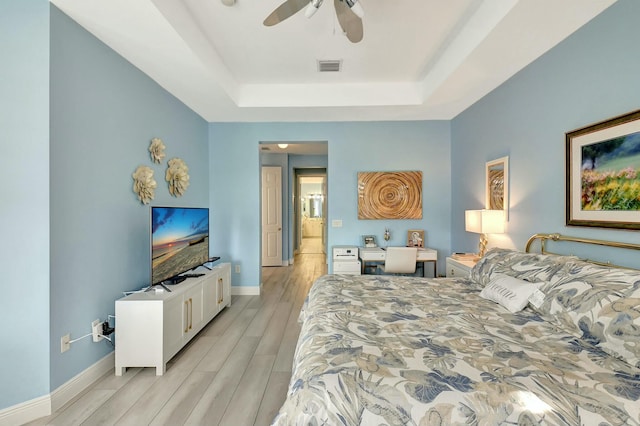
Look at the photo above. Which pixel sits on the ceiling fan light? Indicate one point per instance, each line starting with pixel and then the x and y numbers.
pixel 283 145
pixel 228 2
pixel 313 7
pixel 356 8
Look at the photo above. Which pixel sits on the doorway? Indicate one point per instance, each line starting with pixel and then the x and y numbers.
pixel 311 211
pixel 309 159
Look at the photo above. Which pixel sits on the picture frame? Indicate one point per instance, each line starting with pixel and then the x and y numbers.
pixel 497 185
pixel 390 195
pixel 415 238
pixel 603 174
pixel 369 241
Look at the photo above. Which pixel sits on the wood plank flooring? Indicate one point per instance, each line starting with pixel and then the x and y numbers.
pixel 235 372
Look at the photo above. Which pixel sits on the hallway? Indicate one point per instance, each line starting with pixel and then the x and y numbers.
pixel 311 245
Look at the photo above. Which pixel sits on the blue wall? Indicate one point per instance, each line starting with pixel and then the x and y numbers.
pixel 353 147
pixel 591 76
pixel 24 200
pixel 104 113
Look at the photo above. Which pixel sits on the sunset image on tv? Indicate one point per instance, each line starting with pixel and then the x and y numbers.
pixel 179 240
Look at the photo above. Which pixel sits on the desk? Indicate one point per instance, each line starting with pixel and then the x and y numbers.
pixel 377 254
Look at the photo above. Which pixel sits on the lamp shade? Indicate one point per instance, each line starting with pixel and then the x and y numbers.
pixel 484 221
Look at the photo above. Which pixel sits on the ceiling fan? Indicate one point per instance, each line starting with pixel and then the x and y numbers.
pixel 349 13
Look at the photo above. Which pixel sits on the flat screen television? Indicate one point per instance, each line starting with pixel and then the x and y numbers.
pixel 179 241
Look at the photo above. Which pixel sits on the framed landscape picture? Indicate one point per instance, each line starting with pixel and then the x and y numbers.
pixel 603 174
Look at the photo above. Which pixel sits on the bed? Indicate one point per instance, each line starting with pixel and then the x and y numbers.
pixel 395 350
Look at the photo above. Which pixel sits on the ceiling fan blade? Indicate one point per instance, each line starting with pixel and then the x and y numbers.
pixel 284 11
pixel 350 22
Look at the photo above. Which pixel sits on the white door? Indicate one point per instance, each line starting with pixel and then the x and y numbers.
pixel 271 216
pixel 324 213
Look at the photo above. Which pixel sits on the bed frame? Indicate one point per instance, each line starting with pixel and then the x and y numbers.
pixel 543 238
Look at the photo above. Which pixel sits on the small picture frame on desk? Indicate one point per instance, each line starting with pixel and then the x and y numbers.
pixel 415 238
pixel 369 241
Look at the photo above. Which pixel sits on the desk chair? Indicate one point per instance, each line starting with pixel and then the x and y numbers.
pixel 400 260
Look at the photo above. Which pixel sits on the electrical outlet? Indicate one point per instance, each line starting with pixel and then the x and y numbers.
pixel 96 330
pixel 64 343
pixel 237 269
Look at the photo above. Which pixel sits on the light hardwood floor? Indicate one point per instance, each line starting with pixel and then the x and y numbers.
pixel 235 372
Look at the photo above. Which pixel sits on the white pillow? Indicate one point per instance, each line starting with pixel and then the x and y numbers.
pixel 509 292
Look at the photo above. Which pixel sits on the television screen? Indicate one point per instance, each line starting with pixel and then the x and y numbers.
pixel 179 241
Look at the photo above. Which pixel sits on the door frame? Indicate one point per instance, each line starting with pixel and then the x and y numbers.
pixel 297 214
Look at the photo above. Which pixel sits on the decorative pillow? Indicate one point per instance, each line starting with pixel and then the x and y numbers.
pixel 533 267
pixel 510 292
pixel 600 304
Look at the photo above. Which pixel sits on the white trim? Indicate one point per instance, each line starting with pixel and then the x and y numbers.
pixel 245 291
pixel 25 412
pixel 47 404
pixel 79 383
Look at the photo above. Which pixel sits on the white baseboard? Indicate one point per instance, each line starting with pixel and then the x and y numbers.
pixel 25 412
pixel 83 380
pixel 45 405
pixel 245 291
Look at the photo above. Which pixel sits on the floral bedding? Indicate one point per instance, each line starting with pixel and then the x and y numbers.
pixel 391 350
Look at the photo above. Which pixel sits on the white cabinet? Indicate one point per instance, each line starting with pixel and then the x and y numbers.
pixel 459 268
pixel 151 327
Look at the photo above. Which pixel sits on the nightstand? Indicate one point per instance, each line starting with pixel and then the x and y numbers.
pixel 459 268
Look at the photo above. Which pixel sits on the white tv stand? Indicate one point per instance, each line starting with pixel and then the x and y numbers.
pixel 151 327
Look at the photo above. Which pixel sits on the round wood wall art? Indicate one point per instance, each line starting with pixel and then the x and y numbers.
pixel 390 195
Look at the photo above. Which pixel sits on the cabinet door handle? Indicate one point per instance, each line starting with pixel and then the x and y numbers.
pixel 186 316
pixel 190 313
pixel 220 291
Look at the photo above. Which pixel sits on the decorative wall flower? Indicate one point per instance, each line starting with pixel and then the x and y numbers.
pixel 178 177
pixel 144 185
pixel 157 150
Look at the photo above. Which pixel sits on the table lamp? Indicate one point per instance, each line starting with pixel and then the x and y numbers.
pixel 484 222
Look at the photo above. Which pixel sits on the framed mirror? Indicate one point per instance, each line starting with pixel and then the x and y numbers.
pixel 497 185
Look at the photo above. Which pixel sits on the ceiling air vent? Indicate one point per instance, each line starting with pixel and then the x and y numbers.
pixel 329 66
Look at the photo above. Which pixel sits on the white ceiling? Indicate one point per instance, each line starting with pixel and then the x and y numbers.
pixel 419 59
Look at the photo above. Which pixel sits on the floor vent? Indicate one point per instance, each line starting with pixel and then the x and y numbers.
pixel 329 66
